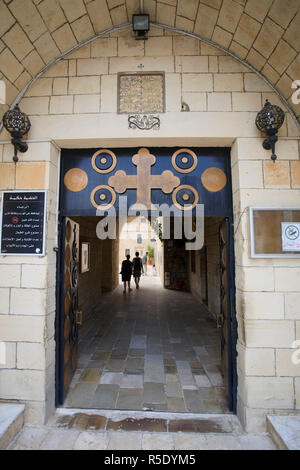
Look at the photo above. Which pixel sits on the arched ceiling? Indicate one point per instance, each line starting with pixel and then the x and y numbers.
pixel 265 33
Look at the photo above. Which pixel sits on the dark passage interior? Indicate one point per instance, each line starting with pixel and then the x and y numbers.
pixel 157 348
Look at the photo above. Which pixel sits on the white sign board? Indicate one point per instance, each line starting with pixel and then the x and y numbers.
pixel 290 233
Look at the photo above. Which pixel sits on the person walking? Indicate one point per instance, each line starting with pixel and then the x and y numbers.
pixel 126 271
pixel 137 269
pixel 145 261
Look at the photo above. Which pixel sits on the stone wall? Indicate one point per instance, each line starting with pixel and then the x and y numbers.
pixel 211 242
pixel 27 299
pixel 90 282
pixel 74 104
pixel 110 264
pixel 267 289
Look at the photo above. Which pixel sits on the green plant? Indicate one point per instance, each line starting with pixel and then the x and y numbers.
pixel 157 227
pixel 150 250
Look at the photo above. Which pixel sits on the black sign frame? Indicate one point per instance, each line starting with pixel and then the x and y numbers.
pixel 23 193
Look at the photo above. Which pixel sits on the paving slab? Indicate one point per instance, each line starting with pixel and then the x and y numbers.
pixel 285 431
pixel 11 422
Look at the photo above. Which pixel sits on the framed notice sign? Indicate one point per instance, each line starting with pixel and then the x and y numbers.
pixel 23 218
pixel 275 232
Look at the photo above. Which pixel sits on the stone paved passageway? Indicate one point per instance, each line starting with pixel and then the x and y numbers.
pixel 153 349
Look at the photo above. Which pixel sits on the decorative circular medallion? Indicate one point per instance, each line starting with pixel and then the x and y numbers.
pixel 184 160
pixel 103 197
pixel 213 179
pixel 185 197
pixel 104 161
pixel 74 275
pixel 75 179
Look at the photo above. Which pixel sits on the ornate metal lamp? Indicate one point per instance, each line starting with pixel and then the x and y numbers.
pixel 269 120
pixel 17 124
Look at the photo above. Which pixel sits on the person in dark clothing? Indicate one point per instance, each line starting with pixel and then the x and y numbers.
pixel 126 272
pixel 137 269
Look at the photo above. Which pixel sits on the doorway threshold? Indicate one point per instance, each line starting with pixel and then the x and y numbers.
pixel 148 421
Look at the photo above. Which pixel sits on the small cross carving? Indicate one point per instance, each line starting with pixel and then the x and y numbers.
pixel 143 181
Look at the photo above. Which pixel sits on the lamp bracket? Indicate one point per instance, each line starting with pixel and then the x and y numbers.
pixel 18 146
pixel 269 144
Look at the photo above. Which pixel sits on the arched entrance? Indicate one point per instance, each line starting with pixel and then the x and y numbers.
pixel 182 178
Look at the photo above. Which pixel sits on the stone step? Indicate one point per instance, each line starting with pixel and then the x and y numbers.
pixel 285 431
pixel 108 420
pixel 11 422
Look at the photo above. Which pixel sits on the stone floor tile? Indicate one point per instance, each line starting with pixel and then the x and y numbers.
pixel 193 401
pixel 256 442
pixel 211 406
pixel 114 365
pixel 155 406
pixel 157 441
pixel 207 425
pixel 185 375
pixel 202 380
pixel 173 389
pixel 136 352
pixel 91 441
pixel 93 364
pixel 120 440
pixel 172 378
pixel 131 381
pixel 59 440
pixel 176 404
pixel 87 422
pixel 81 395
pixel 189 441
pixel 154 393
pixel 112 378
pixel 129 399
pixel 90 375
pixel 101 355
pixel 154 349
pixel 222 442
pixel 138 342
pixel 31 437
pixel 134 365
pixel 170 369
pixel 105 396
pixel 143 424
pixel 200 351
pixel 154 369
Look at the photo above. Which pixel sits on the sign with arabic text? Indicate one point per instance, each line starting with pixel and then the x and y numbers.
pixel 23 219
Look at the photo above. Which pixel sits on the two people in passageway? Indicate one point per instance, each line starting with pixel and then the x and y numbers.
pixel 130 268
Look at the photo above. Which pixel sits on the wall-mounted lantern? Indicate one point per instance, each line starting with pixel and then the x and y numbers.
pixel 17 124
pixel 269 120
pixel 141 25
